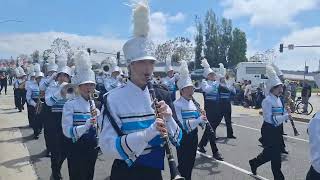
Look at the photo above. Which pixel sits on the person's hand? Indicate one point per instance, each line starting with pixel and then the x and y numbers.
pixel 204 116
pixel 89 123
pixel 94 112
pixel 164 110
pixel 160 126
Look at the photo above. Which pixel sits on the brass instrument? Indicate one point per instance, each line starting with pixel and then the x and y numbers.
pixel 174 172
pixel 71 91
pixel 22 85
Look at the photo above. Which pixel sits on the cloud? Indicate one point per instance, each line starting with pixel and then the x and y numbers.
pixel 159 23
pixel 265 13
pixel 295 59
pixel 18 43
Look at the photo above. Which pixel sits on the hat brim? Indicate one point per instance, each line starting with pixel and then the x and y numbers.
pixel 87 82
pixel 144 58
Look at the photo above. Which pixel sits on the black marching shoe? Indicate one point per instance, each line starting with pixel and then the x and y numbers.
pixel 201 149
pixel 217 156
pixel 284 151
pixel 253 167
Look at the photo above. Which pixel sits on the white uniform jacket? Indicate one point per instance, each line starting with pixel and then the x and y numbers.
pixel 273 111
pixel 33 93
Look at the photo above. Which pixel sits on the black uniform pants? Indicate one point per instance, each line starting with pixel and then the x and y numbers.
pixel 56 142
pixel 187 153
pixel 81 157
pixel 212 111
pixel 20 98
pixel 34 120
pixel 4 85
pixel 271 137
pixel 225 111
pixel 312 174
pixel 121 171
pixel 44 114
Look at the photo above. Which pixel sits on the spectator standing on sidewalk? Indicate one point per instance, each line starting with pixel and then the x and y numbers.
pixel 305 94
pixel 248 94
pixel 3 82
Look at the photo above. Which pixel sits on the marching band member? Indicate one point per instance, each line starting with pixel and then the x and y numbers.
pixel 211 106
pixel 55 98
pixel 113 81
pixel 170 80
pixel 19 89
pixel 48 81
pixel 78 120
pixel 33 96
pixel 29 83
pixel 274 114
pixel 314 141
pixel 225 92
pixel 190 117
pixel 130 131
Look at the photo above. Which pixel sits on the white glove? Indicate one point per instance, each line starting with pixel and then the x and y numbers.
pixel 151 132
pixel 89 123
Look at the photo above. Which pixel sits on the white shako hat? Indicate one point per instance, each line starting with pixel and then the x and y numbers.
pixel 206 68
pixel 37 70
pixel 184 77
pixel 52 66
pixel 83 71
pixel 62 60
pixel 113 65
pixel 140 47
pixel 273 79
pixel 277 70
pixel 30 70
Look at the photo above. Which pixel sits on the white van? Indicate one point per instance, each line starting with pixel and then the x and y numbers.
pixel 254 71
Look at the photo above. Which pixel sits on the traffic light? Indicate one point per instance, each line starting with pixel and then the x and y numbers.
pixel 118 55
pixel 281 48
pixel 89 51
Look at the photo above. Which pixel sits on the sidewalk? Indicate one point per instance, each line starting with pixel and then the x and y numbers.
pixel 14 156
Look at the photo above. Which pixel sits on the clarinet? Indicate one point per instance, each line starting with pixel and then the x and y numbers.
pixel 91 102
pixel 295 131
pixel 174 173
pixel 202 111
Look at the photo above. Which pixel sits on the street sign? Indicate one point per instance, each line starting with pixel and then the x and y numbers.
pixel 291 46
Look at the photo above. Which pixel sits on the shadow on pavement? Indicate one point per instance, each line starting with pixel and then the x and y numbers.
pixel 14 128
pixel 20 139
pixel 21 162
pixel 206 164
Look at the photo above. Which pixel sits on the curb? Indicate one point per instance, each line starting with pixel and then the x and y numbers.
pixel 306 120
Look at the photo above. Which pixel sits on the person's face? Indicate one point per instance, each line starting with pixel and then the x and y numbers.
pixel 63 77
pixel 32 78
pixel 187 92
pixel 278 90
pixel 85 89
pixel 170 73
pixel 38 79
pixel 141 71
pixel 115 74
pixel 211 77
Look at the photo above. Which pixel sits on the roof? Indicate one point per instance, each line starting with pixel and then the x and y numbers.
pixel 297 77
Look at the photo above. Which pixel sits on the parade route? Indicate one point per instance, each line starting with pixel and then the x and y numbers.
pixel 21 156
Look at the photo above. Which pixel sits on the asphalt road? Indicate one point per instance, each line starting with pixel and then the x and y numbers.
pixel 236 153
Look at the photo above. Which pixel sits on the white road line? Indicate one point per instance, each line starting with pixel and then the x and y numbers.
pixel 233 166
pixel 299 139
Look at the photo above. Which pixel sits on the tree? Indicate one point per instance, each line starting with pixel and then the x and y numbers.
pixel 238 48
pixel 45 54
pixel 35 56
pixel 199 42
pixel 225 39
pixel 211 38
pixel 176 50
pixel 59 46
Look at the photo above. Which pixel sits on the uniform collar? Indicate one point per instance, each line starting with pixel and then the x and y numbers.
pixel 136 88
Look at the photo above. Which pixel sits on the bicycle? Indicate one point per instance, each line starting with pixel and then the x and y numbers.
pixel 298 107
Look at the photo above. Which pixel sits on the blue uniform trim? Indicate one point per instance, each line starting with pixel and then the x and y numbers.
pixel 136 125
pixel 74 139
pixel 81 117
pixel 122 153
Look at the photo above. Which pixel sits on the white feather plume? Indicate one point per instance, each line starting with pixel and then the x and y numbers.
pixel 141 13
pixel 113 62
pixel 30 69
pixel 168 62
pixel 16 71
pixel 204 63
pixel 184 71
pixel 222 70
pixel 51 59
pixel 271 73
pixel 21 71
pixel 82 61
pixel 278 71
pixel 62 59
pixel 36 68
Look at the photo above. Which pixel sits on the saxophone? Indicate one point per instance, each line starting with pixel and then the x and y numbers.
pixel 40 103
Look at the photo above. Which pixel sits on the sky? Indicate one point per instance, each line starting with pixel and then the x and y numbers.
pixel 106 24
